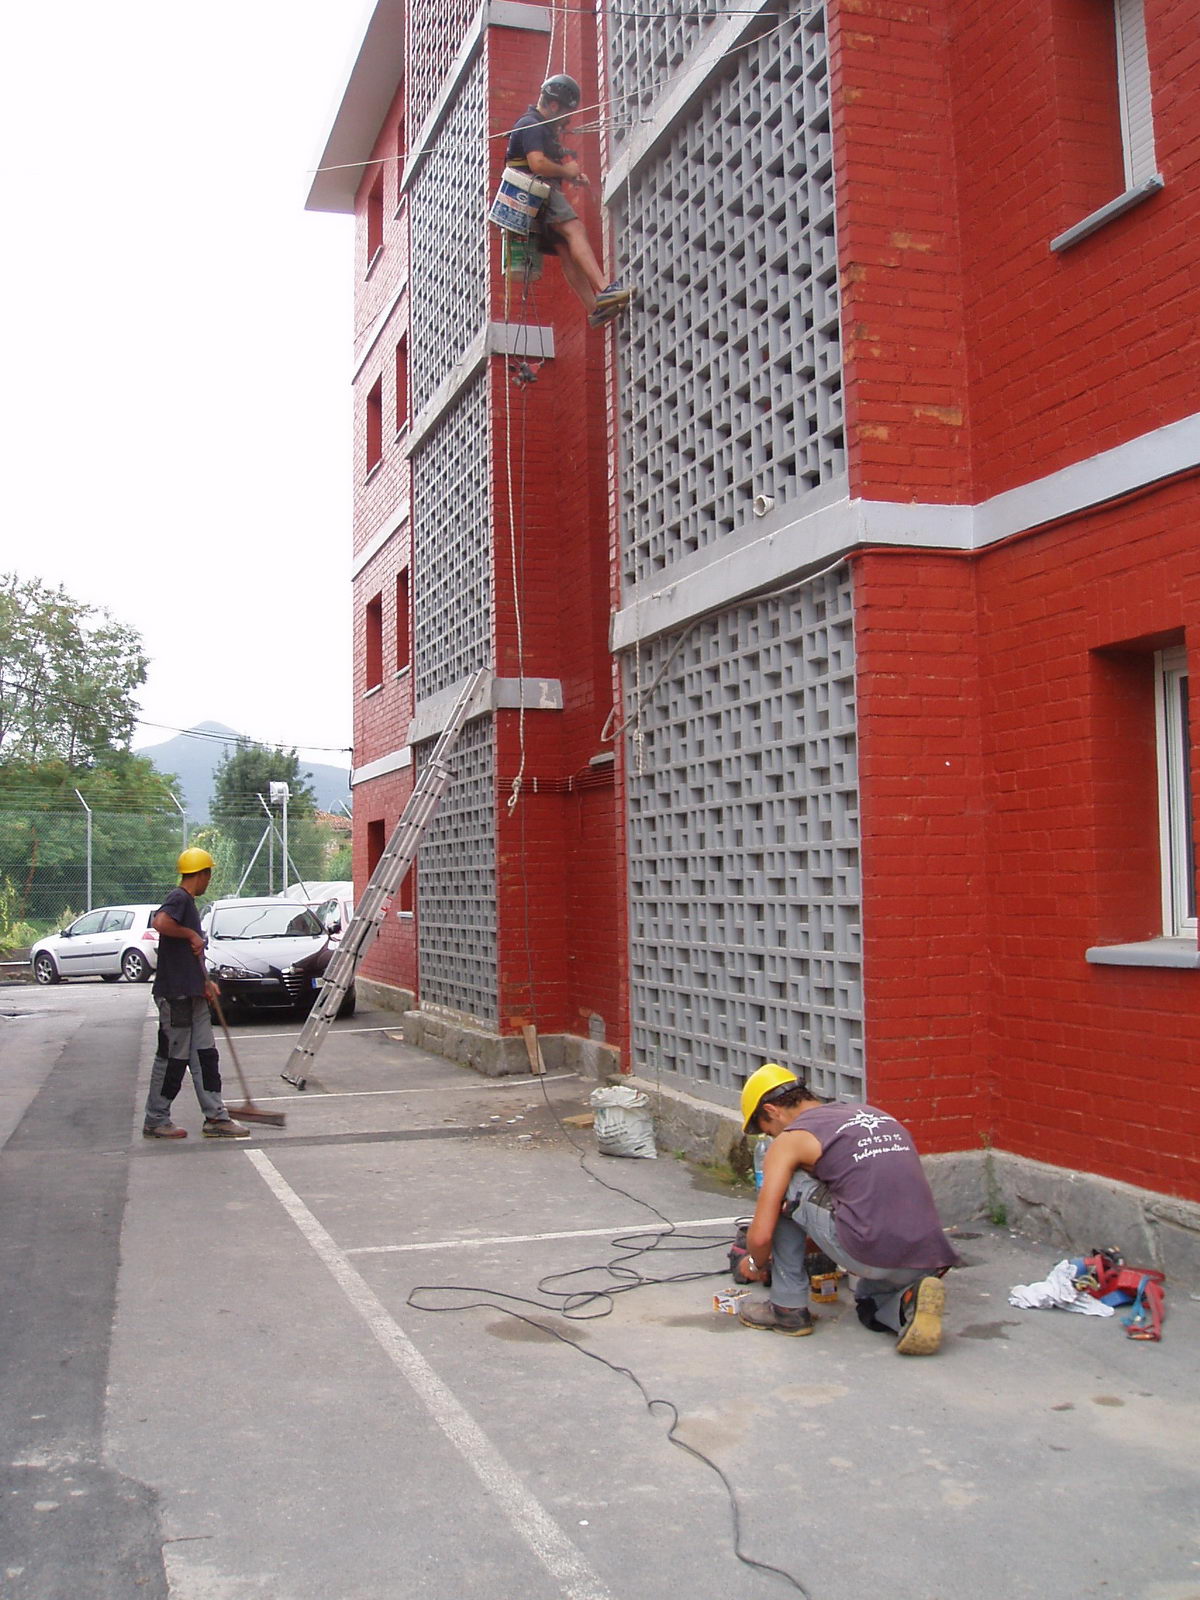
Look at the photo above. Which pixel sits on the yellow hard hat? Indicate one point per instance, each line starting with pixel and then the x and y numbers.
pixel 759 1085
pixel 194 861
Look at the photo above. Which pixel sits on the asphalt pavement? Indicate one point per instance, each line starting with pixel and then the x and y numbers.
pixel 219 1387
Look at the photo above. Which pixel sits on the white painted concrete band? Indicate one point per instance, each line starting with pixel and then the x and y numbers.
pixel 527 1517
pixel 795 539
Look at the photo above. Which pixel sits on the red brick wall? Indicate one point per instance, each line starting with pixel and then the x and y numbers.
pixel 968 134
pixel 1009 803
pixel 920 777
pixel 560 879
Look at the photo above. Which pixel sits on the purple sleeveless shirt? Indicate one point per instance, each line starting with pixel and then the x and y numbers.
pixel 881 1198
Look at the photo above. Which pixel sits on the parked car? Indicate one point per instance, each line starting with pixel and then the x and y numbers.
pixel 268 953
pixel 110 942
pixel 332 900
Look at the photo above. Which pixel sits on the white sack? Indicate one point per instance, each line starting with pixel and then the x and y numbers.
pixel 623 1123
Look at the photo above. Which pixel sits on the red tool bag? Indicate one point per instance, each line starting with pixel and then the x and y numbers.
pixel 1107 1278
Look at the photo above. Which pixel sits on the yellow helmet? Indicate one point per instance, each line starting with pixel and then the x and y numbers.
pixel 194 861
pixel 759 1085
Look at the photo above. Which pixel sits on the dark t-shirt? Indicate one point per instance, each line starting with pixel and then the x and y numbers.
pixel 179 973
pixel 881 1198
pixel 531 132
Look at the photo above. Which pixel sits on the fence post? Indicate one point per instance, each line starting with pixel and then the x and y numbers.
pixel 183 817
pixel 88 809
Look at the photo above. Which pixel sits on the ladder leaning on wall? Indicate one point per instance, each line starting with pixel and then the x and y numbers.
pixel 389 874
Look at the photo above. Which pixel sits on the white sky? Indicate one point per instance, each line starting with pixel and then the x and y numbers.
pixel 176 345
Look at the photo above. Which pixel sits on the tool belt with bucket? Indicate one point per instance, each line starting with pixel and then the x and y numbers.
pixel 518 201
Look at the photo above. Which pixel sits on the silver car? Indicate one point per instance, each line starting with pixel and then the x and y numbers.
pixel 110 943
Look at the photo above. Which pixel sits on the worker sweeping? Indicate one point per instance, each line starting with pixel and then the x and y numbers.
pixel 849 1178
pixel 535 146
pixel 182 990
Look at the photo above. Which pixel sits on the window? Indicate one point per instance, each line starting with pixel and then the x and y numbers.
pixel 375 843
pixel 1178 850
pixel 373 642
pixel 1105 113
pixel 374 426
pixel 118 921
pixel 401 386
pixel 1133 91
pixel 406 894
pixel 375 218
pixel 403 656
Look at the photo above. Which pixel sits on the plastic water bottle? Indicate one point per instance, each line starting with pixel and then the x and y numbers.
pixel 760 1151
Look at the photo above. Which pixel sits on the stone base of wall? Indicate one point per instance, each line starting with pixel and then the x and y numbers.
pixel 384 996
pixel 1073 1212
pixel 503 1055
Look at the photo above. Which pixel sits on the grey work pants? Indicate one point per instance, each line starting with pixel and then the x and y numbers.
pixel 185 1044
pixel 813 1216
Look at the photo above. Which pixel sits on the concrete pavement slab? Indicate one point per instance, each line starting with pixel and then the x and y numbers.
pixel 311 1433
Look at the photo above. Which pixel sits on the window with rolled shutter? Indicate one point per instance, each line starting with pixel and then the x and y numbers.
pixel 1133 76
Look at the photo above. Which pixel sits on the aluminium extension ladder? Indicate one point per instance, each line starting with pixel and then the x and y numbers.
pixel 393 865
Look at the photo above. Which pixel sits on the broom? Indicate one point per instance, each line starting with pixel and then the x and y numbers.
pixel 248 1112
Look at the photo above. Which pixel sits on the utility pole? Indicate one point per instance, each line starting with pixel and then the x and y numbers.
pixel 88 809
pixel 280 795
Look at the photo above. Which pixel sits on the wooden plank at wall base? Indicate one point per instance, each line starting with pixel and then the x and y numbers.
pixel 533 1048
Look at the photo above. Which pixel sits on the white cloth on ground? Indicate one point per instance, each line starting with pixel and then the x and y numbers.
pixel 1057 1293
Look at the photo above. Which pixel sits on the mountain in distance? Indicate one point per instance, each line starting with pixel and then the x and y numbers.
pixel 194 761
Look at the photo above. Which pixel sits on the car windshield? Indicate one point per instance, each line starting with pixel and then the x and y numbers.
pixel 281 921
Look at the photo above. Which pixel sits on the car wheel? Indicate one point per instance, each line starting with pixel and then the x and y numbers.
pixel 110 977
pixel 45 970
pixel 346 1009
pixel 135 966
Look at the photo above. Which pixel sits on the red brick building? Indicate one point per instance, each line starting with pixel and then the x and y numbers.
pixel 872 530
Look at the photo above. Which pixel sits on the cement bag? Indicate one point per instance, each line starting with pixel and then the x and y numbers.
pixel 623 1123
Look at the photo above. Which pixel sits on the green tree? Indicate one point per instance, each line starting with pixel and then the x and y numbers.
pixel 249 771
pixel 136 833
pixel 68 675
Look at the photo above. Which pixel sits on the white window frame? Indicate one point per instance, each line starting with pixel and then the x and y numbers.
pixel 1134 92
pixel 1177 852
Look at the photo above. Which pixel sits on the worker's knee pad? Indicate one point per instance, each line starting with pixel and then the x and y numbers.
pixel 173 1078
pixel 162 1049
pixel 210 1070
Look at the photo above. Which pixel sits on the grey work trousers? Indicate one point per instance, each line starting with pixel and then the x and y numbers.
pixel 813 1216
pixel 185 1044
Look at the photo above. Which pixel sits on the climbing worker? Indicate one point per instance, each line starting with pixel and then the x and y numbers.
pixel 535 146
pixel 849 1178
pixel 182 990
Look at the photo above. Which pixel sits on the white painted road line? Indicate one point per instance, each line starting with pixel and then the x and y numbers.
pixel 433 1088
pixel 618 1230
pixel 526 1515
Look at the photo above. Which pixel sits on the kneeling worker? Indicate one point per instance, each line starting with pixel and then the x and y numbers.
pixel 535 146
pixel 848 1177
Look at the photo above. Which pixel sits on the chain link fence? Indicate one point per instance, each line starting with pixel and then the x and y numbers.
pixel 55 865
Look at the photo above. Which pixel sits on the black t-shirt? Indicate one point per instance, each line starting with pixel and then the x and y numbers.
pixel 532 132
pixel 179 973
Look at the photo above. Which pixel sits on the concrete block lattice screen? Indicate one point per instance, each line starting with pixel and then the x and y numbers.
pixel 745 917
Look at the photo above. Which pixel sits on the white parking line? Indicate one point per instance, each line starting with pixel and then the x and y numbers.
pixel 295 1034
pixel 527 1516
pixel 618 1230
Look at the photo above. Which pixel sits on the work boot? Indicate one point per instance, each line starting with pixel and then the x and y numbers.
pixel 225 1128
pixel 793 1320
pixel 610 303
pixel 163 1130
pixel 921 1318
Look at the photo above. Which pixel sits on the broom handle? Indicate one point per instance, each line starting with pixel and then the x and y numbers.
pixel 216 1002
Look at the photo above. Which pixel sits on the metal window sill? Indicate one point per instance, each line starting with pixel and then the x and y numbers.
pixel 1115 208
pixel 1146 953
pixel 376 688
